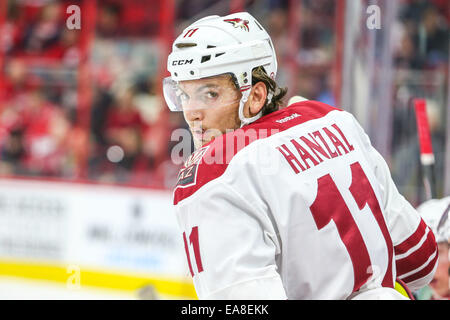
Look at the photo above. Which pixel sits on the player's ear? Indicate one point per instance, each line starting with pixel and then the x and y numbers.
pixel 256 99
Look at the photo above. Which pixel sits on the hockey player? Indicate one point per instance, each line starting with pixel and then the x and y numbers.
pixel 436 213
pixel 282 204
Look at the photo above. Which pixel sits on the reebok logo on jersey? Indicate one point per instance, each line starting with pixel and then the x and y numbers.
pixel 188 173
pixel 292 116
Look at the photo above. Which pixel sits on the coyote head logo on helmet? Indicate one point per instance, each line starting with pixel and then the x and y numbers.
pixel 238 23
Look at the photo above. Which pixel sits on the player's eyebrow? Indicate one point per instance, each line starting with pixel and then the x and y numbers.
pixel 202 87
pixel 208 85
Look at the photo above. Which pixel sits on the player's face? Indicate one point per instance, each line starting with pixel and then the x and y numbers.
pixel 210 107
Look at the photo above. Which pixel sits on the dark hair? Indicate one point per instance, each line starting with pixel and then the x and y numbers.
pixel 260 75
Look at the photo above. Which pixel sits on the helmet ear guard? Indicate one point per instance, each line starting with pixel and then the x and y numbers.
pixel 244 120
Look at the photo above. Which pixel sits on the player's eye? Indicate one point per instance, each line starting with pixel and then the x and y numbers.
pixel 182 95
pixel 211 95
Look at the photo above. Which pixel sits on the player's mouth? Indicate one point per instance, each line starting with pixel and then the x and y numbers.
pixel 198 133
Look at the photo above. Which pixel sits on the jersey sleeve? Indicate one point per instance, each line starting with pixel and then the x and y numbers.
pixel 230 245
pixel 415 247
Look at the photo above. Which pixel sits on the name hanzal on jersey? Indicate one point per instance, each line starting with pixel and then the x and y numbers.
pixel 316 143
pixel 310 149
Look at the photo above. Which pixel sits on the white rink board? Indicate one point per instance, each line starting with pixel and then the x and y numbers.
pixel 101 227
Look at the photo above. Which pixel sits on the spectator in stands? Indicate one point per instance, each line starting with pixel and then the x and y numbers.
pixel 11 29
pixel 124 128
pixel 405 55
pixel 46 31
pixel 12 152
pixel 46 128
pixel 18 80
pixel 277 26
pixel 427 28
pixel 433 37
pixel 66 49
pixel 108 23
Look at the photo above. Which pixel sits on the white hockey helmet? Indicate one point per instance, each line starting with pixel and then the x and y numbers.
pixel 234 44
pixel 436 213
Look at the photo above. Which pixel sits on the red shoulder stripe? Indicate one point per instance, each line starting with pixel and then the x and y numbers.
pixel 418 257
pixel 412 240
pixel 423 272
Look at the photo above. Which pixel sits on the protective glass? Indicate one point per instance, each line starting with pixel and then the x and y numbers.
pixel 204 93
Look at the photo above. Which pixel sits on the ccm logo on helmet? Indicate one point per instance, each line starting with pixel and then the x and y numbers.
pixel 181 62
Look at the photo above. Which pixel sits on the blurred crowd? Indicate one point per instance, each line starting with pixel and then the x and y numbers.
pixel 125 138
pixel 41 133
pixel 35 122
pixel 421 59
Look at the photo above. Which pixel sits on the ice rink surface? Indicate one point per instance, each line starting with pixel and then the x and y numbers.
pixel 20 289
pixel 15 288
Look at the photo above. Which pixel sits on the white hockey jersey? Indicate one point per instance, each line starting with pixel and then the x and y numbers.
pixel 298 205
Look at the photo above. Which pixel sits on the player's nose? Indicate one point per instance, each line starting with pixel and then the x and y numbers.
pixel 194 114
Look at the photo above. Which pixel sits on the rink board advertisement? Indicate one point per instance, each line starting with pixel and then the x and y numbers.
pixel 112 230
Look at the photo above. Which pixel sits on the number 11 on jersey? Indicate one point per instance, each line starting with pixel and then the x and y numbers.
pixel 193 240
pixel 330 205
